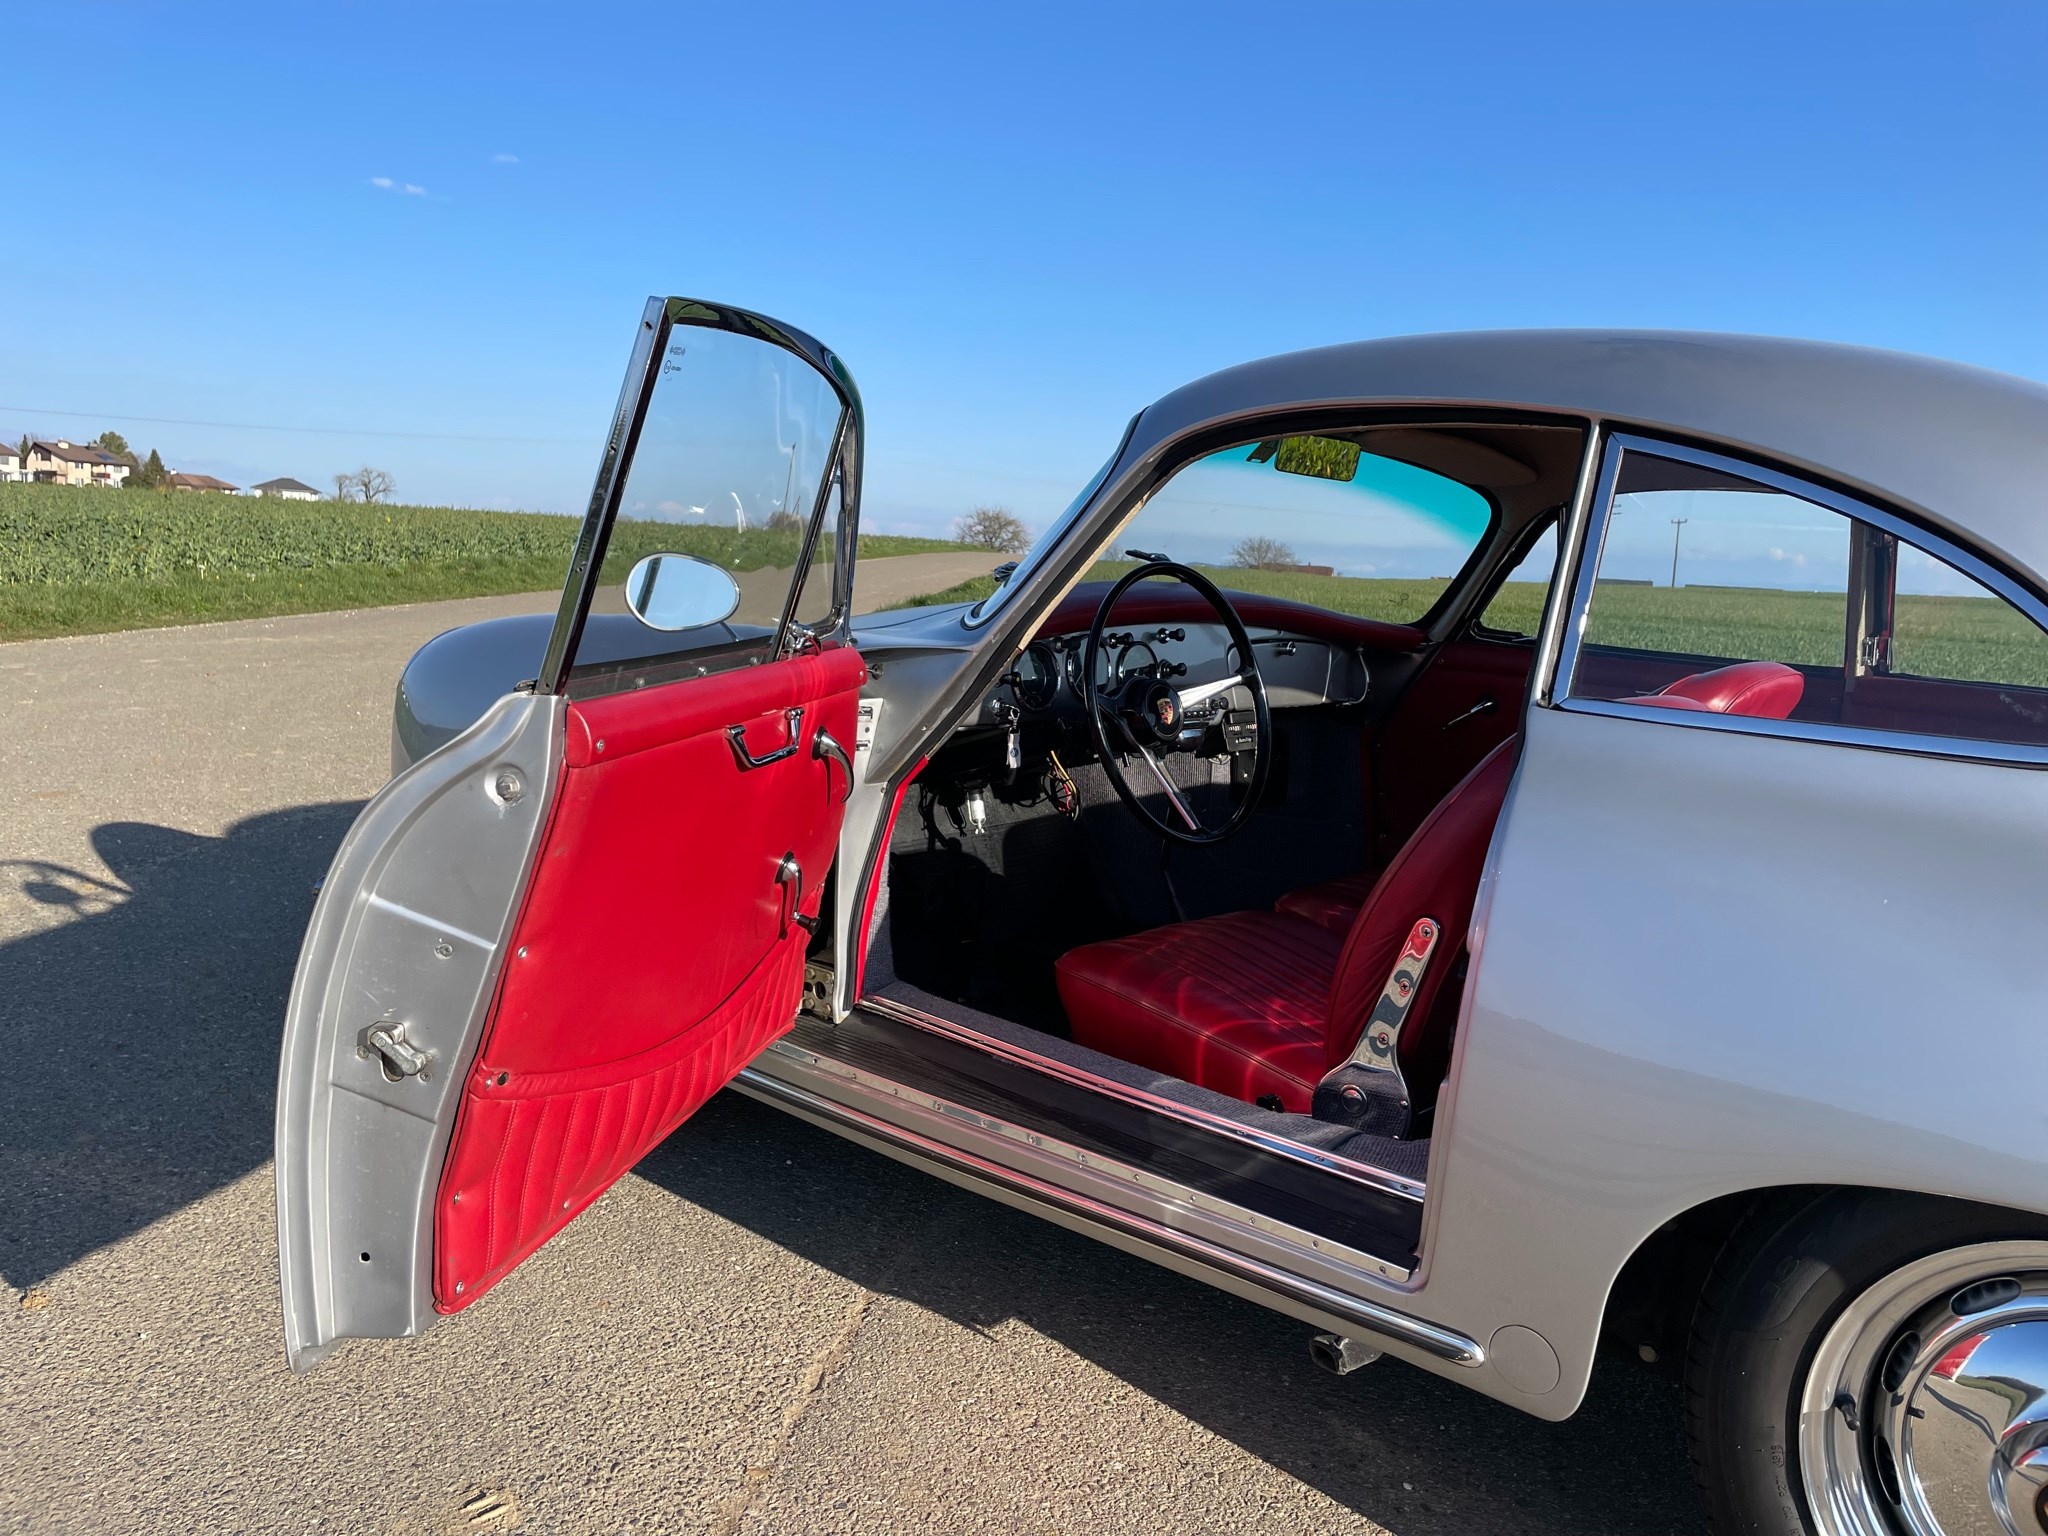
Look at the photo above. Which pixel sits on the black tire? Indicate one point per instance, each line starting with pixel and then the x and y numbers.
pixel 1784 1275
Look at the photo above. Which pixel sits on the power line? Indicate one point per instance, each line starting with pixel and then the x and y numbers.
pixel 257 426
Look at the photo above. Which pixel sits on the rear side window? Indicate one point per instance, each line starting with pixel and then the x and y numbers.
pixel 1702 567
pixel 1945 625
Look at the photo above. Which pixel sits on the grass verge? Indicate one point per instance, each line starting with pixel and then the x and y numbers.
pixel 81 561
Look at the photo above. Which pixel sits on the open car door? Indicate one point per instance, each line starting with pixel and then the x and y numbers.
pixel 542 947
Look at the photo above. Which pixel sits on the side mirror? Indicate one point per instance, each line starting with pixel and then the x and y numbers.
pixel 671 592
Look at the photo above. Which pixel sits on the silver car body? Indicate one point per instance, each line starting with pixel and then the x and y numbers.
pixel 1710 956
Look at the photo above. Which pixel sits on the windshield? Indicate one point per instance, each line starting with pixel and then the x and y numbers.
pixel 1313 519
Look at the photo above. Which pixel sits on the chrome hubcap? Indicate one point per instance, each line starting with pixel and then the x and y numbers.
pixel 1925 1411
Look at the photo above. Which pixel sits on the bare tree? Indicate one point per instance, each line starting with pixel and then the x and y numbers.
pixel 993 528
pixel 1259 553
pixel 365 484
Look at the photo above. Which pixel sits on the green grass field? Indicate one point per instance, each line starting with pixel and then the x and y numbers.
pixel 1971 639
pixel 79 561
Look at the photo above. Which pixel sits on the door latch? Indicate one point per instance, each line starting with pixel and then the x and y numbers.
pixel 384 1043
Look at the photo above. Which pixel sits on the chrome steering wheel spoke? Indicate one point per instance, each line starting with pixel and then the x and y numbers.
pixel 1132 716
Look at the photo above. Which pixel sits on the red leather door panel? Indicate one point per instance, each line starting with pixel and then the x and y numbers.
pixel 655 954
pixel 1434 738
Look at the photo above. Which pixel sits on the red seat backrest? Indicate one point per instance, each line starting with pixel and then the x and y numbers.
pixel 1436 874
pixel 1764 690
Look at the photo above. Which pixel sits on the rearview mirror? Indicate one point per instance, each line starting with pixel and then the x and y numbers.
pixel 1321 458
pixel 671 592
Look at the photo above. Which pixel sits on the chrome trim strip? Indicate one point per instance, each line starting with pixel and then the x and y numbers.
pixel 1617 446
pixel 1353 1311
pixel 1571 529
pixel 787 1053
pixel 1378 1179
pixel 2005 754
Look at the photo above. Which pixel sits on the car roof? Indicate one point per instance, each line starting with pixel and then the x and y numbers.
pixel 1962 449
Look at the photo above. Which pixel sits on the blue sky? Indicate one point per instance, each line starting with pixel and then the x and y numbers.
pixel 1018 224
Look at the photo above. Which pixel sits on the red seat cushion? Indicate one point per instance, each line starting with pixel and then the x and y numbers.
pixel 1333 904
pixel 1236 1003
pixel 1256 1003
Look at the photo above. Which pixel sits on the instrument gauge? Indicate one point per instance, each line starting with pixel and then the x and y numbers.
pixel 1136 658
pixel 1038 676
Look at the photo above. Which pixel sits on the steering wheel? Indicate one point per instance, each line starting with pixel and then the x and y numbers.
pixel 1145 717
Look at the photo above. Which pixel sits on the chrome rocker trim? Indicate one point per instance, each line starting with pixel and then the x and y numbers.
pixel 1139 1212
pixel 1379 1179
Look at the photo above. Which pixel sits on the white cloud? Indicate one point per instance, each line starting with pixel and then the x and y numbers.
pixel 504 159
pixel 1793 556
pixel 402 188
pixel 382 181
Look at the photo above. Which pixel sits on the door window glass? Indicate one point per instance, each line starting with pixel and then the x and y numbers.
pixel 1316 520
pixel 1700 568
pixel 736 443
pixel 1516 607
pixel 1700 564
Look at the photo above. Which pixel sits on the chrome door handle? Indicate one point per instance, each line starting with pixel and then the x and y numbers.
pixel 1485 706
pixel 736 736
pixel 789 876
pixel 824 745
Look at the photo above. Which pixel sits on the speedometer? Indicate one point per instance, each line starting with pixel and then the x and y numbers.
pixel 1038 676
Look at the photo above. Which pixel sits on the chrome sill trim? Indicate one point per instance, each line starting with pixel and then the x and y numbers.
pixel 1355 1312
pixel 1152 1184
pixel 1378 1179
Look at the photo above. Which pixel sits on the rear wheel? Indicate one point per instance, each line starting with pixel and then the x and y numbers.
pixel 1868 1364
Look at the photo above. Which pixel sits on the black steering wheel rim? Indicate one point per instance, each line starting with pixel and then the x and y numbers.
pixel 1101 721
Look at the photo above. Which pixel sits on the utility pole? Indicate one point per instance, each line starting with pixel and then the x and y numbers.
pixel 1677 523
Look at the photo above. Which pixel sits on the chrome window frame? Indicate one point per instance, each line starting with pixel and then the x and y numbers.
pixel 657 322
pixel 1589 540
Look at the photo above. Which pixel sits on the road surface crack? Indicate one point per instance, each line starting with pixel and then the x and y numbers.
pixel 826 1364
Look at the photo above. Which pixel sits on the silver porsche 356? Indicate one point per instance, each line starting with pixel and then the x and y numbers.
pixel 1478 842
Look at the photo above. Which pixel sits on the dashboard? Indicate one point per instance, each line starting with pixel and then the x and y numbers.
pixel 1299 671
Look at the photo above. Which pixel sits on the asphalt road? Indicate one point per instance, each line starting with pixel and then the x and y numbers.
pixel 763 1329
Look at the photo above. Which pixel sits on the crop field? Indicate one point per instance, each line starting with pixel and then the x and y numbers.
pixel 76 560
pixel 1971 639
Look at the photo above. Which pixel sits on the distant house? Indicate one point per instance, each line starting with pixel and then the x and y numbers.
pixel 10 463
pixel 67 463
pixel 288 488
pixel 185 482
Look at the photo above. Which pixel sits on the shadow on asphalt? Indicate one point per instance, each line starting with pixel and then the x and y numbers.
pixel 1238 1370
pixel 141 1042
pixel 141 1036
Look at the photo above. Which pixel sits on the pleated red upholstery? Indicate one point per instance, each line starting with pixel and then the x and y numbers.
pixel 1259 1003
pixel 537 1148
pixel 1235 1003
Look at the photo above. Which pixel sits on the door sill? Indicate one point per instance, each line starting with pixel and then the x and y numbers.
pixel 1382 1180
pixel 1246 1252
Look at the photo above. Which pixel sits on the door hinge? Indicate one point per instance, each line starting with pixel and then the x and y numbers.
pixel 384 1043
